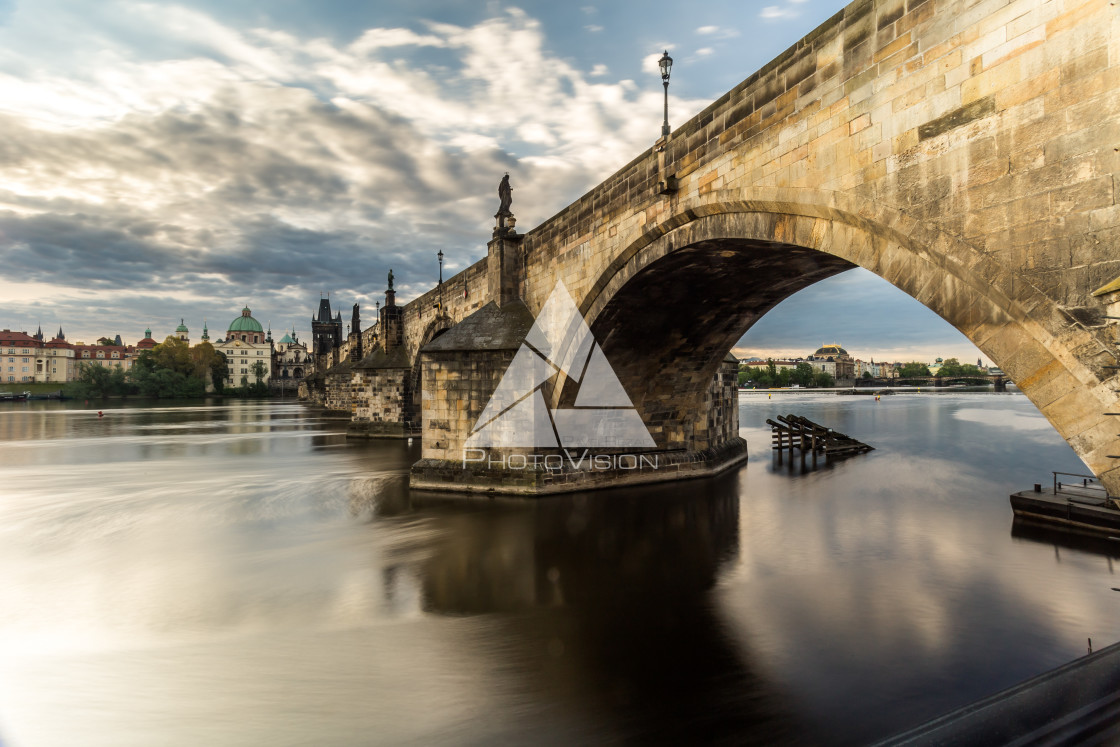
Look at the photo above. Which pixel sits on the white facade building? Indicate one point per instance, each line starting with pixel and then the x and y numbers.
pixel 246 344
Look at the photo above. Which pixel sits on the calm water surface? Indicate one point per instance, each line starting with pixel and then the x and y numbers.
pixel 241 574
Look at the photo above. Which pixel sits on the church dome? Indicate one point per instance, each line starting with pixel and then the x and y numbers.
pixel 245 323
pixel 181 328
pixel 833 350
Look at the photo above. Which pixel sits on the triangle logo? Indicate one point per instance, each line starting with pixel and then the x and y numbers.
pixel 560 342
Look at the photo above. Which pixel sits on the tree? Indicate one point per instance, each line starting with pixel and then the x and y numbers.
pixel 913 369
pixel 802 375
pixel 823 379
pixel 173 354
pixel 955 369
pixel 258 370
pixel 867 375
pixel 94 380
pixel 760 376
pixel 219 371
pixel 173 370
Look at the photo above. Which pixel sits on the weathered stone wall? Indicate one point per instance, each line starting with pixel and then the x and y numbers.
pixel 381 403
pixel 340 389
pixel 462 296
pixel 456 386
pixel 722 402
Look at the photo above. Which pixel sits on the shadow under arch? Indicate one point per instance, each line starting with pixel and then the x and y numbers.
pixel 435 328
pixel 678 295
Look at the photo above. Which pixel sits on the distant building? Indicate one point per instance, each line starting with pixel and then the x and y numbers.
pixel 147 343
pixel 182 332
pixel 834 360
pixel 326 332
pixel 245 345
pixel 290 361
pixel 26 358
pixel 104 355
pixel 56 360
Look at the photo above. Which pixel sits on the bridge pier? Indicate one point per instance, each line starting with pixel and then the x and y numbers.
pixel 462 370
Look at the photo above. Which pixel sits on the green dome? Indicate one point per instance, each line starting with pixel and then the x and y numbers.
pixel 182 326
pixel 245 323
pixel 287 338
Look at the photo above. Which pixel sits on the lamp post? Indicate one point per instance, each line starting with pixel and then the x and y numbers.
pixel 666 64
pixel 440 255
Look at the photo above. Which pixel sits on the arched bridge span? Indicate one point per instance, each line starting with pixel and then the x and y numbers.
pixel 966 151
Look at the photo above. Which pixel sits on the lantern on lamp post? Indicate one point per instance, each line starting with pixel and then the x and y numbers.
pixel 666 65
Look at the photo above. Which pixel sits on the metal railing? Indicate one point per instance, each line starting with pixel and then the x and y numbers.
pixel 1088 491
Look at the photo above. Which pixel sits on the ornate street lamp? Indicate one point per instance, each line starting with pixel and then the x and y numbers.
pixel 666 64
pixel 440 255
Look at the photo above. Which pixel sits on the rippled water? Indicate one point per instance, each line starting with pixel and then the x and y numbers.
pixel 241 574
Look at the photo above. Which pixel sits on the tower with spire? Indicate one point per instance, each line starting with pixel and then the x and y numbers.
pixel 326 331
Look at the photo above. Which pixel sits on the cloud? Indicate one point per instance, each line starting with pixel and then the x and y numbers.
pixel 234 165
pixel 780 12
pixel 718 32
pixel 849 309
pixel 592 28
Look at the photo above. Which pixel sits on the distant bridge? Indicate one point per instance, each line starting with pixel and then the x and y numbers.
pixel 998 380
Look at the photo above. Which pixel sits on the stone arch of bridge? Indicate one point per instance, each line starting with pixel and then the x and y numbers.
pixel 435 328
pixel 676 298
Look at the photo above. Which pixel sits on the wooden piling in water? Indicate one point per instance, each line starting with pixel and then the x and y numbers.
pixel 793 431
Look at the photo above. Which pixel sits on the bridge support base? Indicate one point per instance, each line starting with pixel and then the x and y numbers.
pixel 380 429
pixel 521 472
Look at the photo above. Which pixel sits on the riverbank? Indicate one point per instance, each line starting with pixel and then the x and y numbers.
pixel 1011 389
pixel 70 390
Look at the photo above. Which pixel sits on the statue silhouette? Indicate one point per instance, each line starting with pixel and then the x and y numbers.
pixel 505 195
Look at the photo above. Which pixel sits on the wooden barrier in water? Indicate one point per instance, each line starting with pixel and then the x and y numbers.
pixel 796 432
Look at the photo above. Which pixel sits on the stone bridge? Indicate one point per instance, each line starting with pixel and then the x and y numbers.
pixel 967 151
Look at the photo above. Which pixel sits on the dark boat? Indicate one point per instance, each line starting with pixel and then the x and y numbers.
pixel 1082 505
pixel 14 396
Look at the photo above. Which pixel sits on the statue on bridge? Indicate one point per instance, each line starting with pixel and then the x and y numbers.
pixel 505 197
pixel 390 280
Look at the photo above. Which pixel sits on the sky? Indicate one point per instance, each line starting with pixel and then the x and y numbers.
pixel 176 160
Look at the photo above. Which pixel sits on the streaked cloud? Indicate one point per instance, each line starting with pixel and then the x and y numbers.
pixel 256 162
pixel 781 12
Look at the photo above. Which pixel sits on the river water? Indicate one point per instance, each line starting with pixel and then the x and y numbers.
pixel 240 574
